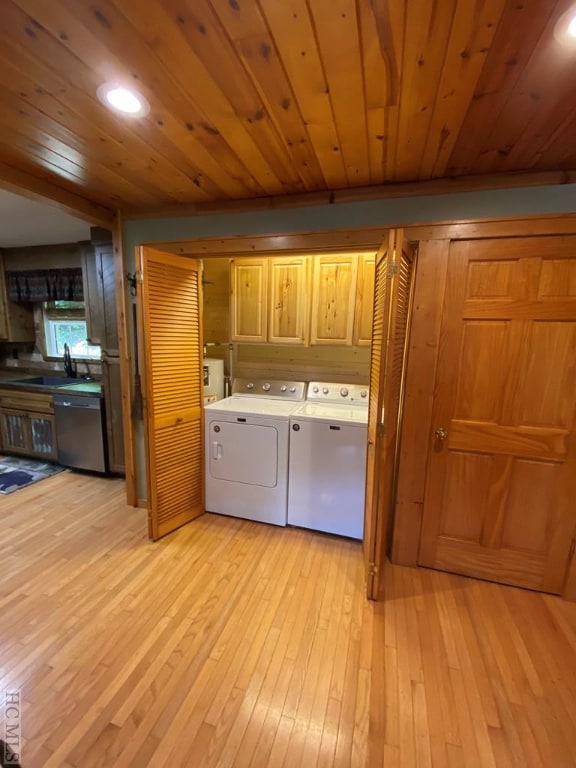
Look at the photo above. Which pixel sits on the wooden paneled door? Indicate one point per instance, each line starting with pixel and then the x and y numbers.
pixel 169 304
pixel 393 279
pixel 500 500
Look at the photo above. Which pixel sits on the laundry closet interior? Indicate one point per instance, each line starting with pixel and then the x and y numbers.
pixel 294 332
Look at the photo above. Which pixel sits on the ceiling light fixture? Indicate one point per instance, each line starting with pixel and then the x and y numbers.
pixel 565 28
pixel 124 101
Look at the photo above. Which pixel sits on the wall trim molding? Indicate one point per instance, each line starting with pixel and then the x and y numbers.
pixel 368 237
pixel 444 186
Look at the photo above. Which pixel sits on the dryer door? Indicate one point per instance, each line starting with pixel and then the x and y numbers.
pixel 243 453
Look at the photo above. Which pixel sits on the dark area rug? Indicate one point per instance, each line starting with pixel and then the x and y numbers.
pixel 17 473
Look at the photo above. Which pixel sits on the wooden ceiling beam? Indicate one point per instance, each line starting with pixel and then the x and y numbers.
pixel 22 183
pixel 444 186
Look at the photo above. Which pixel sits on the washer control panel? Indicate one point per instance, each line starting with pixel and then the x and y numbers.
pixel 329 392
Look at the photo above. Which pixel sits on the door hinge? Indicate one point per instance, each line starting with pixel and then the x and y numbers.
pixel 572 548
pixel 392 270
pixel 381 429
pixel 134 279
pixel 372 569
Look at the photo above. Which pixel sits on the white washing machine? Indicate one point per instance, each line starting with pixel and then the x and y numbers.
pixel 246 450
pixel 327 475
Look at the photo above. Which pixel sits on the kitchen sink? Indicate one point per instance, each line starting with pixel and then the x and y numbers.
pixel 49 381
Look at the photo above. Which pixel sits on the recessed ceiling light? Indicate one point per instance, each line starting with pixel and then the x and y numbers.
pixel 565 28
pixel 125 101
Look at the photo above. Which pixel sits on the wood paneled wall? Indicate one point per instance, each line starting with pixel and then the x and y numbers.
pixel 349 365
pixel 338 363
pixel 216 307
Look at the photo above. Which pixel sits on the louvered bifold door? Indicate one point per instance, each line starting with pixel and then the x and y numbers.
pixel 170 323
pixel 392 309
pixel 375 412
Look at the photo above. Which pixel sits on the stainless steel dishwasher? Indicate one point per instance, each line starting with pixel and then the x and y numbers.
pixel 80 432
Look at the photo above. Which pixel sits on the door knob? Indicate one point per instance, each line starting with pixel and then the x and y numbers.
pixel 441 434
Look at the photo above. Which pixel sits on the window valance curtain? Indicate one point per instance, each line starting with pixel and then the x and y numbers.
pixel 45 285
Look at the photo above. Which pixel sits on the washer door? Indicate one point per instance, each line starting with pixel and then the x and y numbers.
pixel 243 453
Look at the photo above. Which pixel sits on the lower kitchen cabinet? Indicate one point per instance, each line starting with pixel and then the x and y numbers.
pixel 31 434
pixel 27 424
pixel 14 427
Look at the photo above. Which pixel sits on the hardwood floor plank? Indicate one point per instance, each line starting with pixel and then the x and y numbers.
pixel 235 644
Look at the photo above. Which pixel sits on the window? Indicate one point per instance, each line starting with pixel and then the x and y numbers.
pixel 65 323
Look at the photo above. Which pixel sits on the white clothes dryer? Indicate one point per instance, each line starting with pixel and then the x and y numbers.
pixel 246 450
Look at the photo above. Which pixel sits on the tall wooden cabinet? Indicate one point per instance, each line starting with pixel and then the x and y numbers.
pixel 100 299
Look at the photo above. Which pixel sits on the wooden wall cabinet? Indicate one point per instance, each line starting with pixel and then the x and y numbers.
pixel 364 309
pixel 333 299
pixel 16 320
pixel 100 296
pixel 274 301
pixel 248 286
pixel 27 424
pixel 289 302
pixel 270 300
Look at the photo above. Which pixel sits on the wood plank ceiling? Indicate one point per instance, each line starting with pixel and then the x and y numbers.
pixel 256 98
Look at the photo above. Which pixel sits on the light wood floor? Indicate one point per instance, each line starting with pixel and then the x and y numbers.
pixel 234 644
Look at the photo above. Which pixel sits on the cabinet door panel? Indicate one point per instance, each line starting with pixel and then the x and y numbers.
pixel 364 300
pixel 289 300
pixel 15 432
pixel 42 435
pixel 249 299
pixel 92 296
pixel 105 261
pixel 333 299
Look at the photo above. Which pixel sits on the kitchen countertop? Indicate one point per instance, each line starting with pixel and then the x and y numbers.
pixel 83 387
pixel 18 382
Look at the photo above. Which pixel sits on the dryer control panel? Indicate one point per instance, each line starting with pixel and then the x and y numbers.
pixel 278 390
